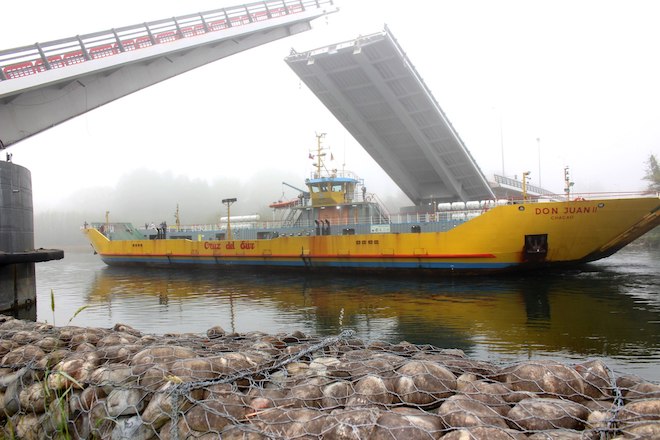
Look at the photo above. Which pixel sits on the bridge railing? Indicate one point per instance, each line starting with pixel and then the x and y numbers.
pixel 39 57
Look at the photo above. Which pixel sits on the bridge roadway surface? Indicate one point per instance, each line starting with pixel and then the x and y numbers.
pixel 45 84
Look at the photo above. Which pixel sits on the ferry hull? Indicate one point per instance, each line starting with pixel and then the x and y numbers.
pixel 505 238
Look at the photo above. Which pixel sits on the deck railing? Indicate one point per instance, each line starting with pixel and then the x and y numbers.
pixel 452 213
pixel 40 57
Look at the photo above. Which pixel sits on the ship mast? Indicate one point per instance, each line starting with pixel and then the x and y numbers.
pixel 319 153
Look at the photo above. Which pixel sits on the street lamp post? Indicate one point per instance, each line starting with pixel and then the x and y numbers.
pixel 228 202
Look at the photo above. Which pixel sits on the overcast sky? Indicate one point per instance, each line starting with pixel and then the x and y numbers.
pixel 548 83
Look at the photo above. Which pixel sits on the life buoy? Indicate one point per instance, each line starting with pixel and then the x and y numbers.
pixel 579 199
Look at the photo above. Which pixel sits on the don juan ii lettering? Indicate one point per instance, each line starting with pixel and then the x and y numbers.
pixel 566 210
pixel 230 245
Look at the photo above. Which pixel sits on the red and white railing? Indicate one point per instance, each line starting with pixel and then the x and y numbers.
pixel 40 57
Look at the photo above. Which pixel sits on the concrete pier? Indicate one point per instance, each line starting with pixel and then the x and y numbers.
pixel 17 253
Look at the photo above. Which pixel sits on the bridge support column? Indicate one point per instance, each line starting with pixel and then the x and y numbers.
pixel 18 293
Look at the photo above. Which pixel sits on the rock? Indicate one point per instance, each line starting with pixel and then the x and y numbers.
pixel 154 377
pixel 464 380
pixel 484 433
pixel 336 394
pixel 162 405
pixel 26 337
pixel 600 420
pixel 424 383
pixel 195 369
pixel 115 354
pixel 546 414
pixel 215 332
pixel 640 411
pixel 598 380
pixel 350 423
pixel 27 427
pixel 131 428
pixel 492 394
pixel 123 328
pixel 642 390
pixel 19 356
pixel 557 435
pixel 89 336
pixel 460 411
pixel 51 359
pixel 407 424
pixel 74 371
pixel 371 390
pixel 112 376
pixel 214 415
pixel 306 394
pixel 7 376
pixel 48 344
pixel 457 363
pixel 164 355
pixel 641 431
pixel 6 346
pixel 83 401
pixel 125 402
pixel 34 399
pixel 116 339
pixel 383 367
pixel 297 423
pixel 239 432
pixel 547 378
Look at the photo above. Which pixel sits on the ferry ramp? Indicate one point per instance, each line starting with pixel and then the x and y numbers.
pixel 373 89
pixel 44 84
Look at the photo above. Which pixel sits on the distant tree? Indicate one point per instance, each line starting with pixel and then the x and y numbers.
pixel 653 173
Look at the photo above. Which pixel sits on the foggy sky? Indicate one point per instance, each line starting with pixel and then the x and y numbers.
pixel 581 77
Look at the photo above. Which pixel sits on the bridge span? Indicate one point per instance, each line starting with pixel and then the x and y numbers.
pixel 44 84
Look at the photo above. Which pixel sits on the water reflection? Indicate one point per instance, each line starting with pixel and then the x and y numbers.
pixel 581 313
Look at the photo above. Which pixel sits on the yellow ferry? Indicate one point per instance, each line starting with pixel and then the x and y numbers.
pixel 335 225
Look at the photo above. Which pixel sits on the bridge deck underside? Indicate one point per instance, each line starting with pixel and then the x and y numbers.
pixel 375 92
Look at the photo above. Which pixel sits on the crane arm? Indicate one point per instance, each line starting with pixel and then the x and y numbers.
pixel 305 193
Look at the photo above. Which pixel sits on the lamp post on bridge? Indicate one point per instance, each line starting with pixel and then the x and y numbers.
pixel 228 202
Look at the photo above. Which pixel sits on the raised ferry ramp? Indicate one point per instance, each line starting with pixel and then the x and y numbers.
pixel 373 89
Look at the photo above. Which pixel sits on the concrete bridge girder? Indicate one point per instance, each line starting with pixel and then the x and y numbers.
pixel 34 103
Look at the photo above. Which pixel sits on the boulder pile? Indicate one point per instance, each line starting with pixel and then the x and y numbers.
pixel 88 383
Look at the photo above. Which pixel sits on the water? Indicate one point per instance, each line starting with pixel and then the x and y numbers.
pixel 608 310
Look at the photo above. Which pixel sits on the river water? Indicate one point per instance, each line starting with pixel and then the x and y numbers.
pixel 609 309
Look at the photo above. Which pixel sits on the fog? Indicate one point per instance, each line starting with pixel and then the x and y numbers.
pixel 579 77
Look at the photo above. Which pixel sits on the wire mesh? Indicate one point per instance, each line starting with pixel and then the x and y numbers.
pixel 91 383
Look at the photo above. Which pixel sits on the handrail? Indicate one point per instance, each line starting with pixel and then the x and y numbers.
pixel 451 215
pixel 39 57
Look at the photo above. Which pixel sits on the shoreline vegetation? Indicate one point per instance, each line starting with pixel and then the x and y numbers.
pixel 85 382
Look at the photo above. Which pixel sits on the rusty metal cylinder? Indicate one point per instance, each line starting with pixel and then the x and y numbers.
pixel 17 278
